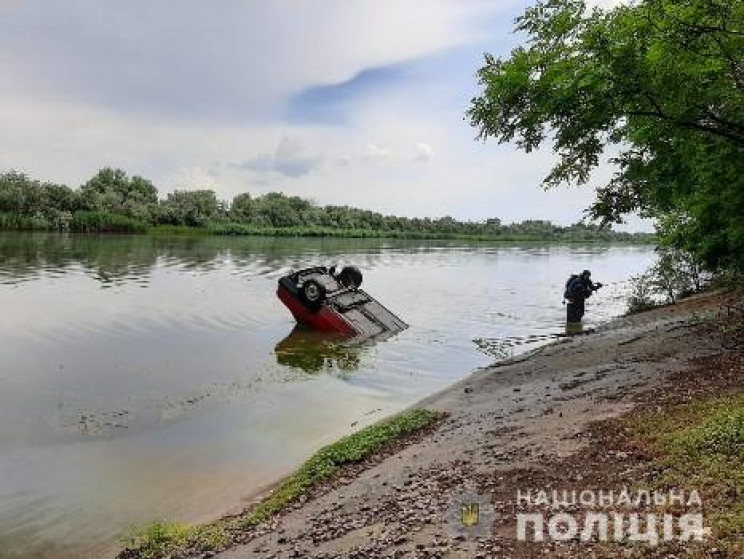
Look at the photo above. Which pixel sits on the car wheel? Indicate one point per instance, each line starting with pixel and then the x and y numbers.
pixel 313 294
pixel 350 276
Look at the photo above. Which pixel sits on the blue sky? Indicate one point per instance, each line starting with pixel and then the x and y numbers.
pixel 347 102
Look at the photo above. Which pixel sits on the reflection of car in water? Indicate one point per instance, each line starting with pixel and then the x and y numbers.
pixel 328 301
pixel 314 351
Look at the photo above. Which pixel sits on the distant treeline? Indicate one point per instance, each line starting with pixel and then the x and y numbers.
pixel 111 201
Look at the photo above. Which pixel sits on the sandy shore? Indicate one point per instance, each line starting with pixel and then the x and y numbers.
pixel 517 416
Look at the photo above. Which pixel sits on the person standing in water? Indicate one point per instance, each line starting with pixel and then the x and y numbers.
pixel 578 290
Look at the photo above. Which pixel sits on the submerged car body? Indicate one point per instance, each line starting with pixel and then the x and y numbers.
pixel 329 302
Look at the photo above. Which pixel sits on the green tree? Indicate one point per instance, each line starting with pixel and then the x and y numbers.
pixel 19 194
pixel 49 206
pixel 193 208
pixel 659 82
pixel 278 210
pixel 242 208
pixel 111 201
pixel 60 198
pixel 111 190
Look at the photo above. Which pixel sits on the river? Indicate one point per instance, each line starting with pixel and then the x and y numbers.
pixel 146 377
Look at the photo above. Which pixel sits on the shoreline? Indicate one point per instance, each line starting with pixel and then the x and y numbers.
pixel 164 231
pixel 500 418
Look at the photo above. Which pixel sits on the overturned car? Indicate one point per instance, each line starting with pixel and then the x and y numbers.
pixel 328 301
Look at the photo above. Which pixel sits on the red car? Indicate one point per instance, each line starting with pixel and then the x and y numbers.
pixel 333 302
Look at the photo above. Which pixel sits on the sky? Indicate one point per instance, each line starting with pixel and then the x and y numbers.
pixel 358 102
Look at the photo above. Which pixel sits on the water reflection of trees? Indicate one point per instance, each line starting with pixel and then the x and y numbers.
pixel 314 352
pixel 27 256
pixel 114 259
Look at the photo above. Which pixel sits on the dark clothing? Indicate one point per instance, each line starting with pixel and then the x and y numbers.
pixel 578 291
pixel 581 288
pixel 575 311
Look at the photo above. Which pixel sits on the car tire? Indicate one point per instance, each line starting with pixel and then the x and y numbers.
pixel 350 276
pixel 313 294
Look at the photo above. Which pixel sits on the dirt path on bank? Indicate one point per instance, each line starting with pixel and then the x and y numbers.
pixel 525 415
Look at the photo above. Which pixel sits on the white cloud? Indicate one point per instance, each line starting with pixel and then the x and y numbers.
pixel 342 161
pixel 424 152
pixel 289 160
pixel 373 152
pixel 194 178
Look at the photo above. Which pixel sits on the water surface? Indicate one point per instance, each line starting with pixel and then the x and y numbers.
pixel 145 377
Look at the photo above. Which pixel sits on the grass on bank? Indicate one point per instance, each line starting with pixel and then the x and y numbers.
pixel 109 222
pixel 163 539
pixel 701 446
pixel 234 228
pixel 77 222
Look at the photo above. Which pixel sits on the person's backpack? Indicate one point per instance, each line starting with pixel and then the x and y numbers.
pixel 566 294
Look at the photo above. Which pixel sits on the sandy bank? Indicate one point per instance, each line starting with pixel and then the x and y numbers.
pixel 504 418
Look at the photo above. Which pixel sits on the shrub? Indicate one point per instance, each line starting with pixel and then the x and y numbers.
pixel 105 222
pixel 641 295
